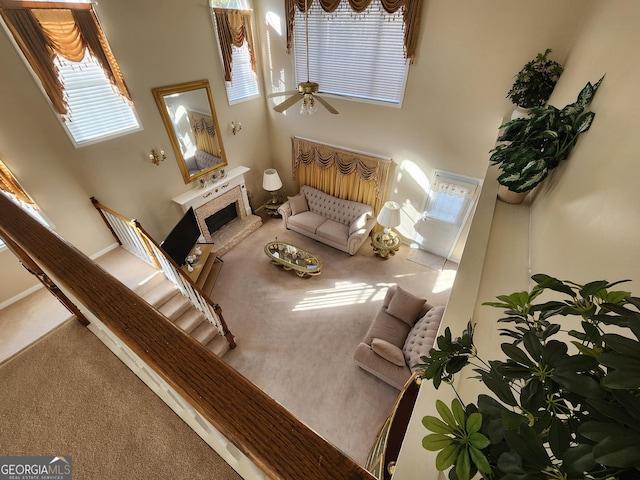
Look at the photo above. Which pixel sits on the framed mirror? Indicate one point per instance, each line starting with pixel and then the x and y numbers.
pixel 190 119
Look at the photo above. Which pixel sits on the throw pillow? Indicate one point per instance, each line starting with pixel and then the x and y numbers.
pixel 298 204
pixel 388 351
pixel 405 306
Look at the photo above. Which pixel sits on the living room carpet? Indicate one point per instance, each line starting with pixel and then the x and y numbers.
pixel 428 259
pixel 296 337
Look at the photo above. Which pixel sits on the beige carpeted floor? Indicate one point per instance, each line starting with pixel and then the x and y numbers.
pixel 69 395
pixel 296 337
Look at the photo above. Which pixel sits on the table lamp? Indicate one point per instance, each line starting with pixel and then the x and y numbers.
pixel 271 183
pixel 389 217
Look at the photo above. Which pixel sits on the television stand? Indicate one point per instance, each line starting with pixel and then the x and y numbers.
pixel 206 271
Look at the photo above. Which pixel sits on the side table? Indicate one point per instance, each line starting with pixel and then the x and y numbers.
pixel 271 209
pixel 385 244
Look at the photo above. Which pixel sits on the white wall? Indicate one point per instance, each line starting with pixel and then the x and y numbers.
pixel 468 53
pixel 156 43
pixel 582 224
pixel 585 220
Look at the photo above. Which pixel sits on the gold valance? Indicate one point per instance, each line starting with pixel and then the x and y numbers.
pixel 43 33
pixel 9 184
pixel 342 173
pixel 234 27
pixel 410 13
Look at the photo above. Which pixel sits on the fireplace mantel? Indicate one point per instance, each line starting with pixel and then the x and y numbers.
pixel 215 196
pixel 197 197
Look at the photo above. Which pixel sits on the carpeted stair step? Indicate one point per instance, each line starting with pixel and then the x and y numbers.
pixel 158 294
pixel 189 320
pixel 150 283
pixel 204 333
pixel 175 306
pixel 218 345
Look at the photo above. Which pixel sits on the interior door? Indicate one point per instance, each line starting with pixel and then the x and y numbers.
pixel 448 204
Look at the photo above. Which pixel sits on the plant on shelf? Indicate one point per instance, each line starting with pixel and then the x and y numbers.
pixel 564 404
pixel 534 84
pixel 532 147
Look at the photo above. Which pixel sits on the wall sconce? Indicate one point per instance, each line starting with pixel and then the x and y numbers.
pixel 157 157
pixel 236 127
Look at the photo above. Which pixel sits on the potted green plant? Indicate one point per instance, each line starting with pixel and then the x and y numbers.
pixel 531 147
pixel 534 84
pixel 564 402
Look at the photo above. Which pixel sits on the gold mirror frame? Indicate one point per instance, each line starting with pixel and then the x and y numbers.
pixel 189 116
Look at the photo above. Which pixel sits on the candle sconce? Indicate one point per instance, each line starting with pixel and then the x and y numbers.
pixel 157 156
pixel 236 127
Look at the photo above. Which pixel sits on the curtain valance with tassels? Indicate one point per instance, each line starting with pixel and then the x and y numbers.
pixel 42 33
pixel 9 184
pixel 341 173
pixel 234 27
pixel 410 13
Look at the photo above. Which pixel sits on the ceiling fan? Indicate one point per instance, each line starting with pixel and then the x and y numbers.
pixel 307 91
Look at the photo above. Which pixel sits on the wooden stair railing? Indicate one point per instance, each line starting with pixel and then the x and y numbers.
pixel 136 240
pixel 275 441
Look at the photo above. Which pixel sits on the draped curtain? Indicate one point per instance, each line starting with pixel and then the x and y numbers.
pixel 9 184
pixel 205 133
pixel 410 13
pixel 341 173
pixel 234 27
pixel 43 33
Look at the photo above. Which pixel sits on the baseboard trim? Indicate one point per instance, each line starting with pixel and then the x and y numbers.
pixel 37 287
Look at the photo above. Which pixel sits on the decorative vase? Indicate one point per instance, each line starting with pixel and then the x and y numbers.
pixel 508 196
pixel 520 112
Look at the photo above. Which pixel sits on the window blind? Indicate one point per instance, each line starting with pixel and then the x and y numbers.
pixel 449 198
pixel 96 110
pixel 355 55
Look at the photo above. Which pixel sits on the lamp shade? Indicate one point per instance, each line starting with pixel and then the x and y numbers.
pixel 271 180
pixel 389 216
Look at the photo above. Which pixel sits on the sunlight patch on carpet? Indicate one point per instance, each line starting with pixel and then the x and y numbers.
pixel 444 281
pixel 344 293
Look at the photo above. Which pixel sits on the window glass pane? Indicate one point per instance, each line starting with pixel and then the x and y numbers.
pixel 243 84
pixel 355 55
pixel 449 197
pixel 244 81
pixel 96 109
pixel 446 208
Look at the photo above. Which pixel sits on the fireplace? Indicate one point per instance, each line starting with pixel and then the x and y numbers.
pixel 222 210
pixel 220 218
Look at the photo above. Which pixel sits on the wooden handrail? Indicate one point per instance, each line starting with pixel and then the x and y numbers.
pixel 189 288
pixel 272 438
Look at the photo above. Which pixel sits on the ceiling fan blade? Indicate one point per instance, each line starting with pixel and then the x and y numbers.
pixel 282 94
pixel 326 104
pixel 289 102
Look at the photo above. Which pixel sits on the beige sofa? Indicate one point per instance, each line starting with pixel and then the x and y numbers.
pixel 342 224
pixel 403 330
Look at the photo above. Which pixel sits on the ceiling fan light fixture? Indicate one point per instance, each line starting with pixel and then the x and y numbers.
pixel 306 90
pixel 308 105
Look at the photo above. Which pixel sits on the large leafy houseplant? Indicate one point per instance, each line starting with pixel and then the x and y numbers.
pixel 565 401
pixel 531 147
pixel 534 84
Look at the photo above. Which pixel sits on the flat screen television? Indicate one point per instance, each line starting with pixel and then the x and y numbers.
pixel 182 238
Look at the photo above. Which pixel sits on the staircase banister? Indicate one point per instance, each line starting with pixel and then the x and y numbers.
pixel 279 444
pixel 216 308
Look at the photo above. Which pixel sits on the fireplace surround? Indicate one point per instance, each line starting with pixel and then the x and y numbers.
pixel 216 197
